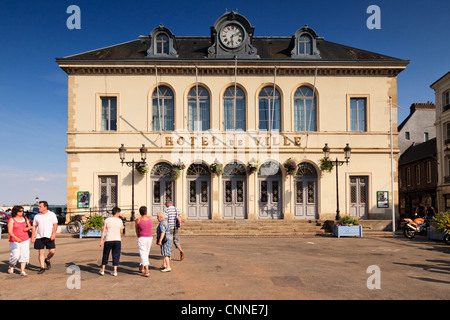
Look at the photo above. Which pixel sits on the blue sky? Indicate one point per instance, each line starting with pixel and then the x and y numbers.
pixel 33 90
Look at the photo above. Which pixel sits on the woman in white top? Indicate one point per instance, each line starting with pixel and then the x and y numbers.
pixel 113 227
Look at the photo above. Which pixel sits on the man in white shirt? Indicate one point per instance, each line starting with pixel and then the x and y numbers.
pixel 43 235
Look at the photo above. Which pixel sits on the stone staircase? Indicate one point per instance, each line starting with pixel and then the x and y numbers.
pixel 270 228
pixel 255 228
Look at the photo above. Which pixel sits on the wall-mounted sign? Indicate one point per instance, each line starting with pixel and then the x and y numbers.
pixel 83 199
pixel 382 199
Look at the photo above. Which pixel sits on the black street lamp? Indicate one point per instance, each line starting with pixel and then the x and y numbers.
pixel 337 164
pixel 132 164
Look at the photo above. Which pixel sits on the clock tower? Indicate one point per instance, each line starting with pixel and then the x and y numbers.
pixel 231 36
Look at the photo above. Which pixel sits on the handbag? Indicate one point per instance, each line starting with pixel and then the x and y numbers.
pixel 26 223
pixel 164 240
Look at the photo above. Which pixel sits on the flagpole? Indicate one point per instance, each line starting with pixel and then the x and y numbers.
pixel 392 170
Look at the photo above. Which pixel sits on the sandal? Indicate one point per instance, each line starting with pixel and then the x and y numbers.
pixel 145 275
pixel 11 270
pixel 23 274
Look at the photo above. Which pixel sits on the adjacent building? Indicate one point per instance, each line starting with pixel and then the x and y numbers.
pixel 417 171
pixel 441 88
pixel 418 126
pixel 211 108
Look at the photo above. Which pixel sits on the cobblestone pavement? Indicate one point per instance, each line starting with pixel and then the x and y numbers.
pixel 223 268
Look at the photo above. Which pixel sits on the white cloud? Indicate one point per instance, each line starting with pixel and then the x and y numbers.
pixel 22 187
pixel 40 179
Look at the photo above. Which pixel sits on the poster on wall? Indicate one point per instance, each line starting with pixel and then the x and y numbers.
pixel 382 199
pixel 83 199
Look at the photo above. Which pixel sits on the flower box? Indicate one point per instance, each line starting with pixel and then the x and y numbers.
pixel 433 235
pixel 91 233
pixel 347 231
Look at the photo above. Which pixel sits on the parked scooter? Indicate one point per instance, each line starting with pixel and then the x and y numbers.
pixel 413 227
pixel 447 234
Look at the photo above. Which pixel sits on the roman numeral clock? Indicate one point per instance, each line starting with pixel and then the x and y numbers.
pixel 231 36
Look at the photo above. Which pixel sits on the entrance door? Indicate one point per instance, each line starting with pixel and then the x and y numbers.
pixel 199 185
pixel 108 193
pixel 162 187
pixel 234 191
pixel 305 192
pixel 358 197
pixel 270 191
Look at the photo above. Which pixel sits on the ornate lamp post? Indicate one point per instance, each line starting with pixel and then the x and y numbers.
pixel 337 164
pixel 132 164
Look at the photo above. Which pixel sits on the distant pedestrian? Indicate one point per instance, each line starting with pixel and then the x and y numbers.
pixel 173 215
pixel 19 240
pixel 144 227
pixel 45 224
pixel 430 212
pixel 166 248
pixel 113 227
pixel 420 211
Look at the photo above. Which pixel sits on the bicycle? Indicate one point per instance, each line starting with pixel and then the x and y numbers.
pixel 75 224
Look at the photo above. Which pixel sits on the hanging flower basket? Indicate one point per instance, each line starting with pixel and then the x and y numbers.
pixel 290 166
pixel 176 169
pixel 325 165
pixel 252 166
pixel 216 168
pixel 142 168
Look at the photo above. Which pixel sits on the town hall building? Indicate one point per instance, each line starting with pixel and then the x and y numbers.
pixel 233 125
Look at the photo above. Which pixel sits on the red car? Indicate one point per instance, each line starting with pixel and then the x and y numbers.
pixel 4 218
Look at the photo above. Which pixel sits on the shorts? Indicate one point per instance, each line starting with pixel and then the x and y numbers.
pixel 44 243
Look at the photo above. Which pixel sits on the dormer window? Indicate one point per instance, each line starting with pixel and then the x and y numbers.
pixel 162 44
pixel 161 41
pixel 305 44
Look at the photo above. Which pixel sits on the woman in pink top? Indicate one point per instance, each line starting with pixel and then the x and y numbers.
pixel 144 227
pixel 19 240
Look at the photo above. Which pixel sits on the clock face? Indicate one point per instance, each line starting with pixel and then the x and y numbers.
pixel 232 35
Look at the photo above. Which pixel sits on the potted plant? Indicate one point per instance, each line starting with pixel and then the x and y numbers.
pixel 438 228
pixel 290 166
pixel 252 166
pixel 325 165
pixel 216 168
pixel 93 227
pixel 347 226
pixel 142 168
pixel 177 168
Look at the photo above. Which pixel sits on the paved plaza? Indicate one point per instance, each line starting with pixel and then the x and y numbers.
pixel 225 268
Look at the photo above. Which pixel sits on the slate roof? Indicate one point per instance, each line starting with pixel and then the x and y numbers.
pixel 417 152
pixel 269 48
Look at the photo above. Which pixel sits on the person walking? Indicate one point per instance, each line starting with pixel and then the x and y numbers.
pixel 166 247
pixel 19 240
pixel 45 224
pixel 173 215
pixel 113 227
pixel 144 227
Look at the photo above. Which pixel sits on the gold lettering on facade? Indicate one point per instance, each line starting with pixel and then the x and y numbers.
pixel 169 141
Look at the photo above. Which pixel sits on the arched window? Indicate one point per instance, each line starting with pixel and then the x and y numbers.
pixel 234 109
pixel 269 109
pixel 198 113
pixel 304 110
pixel 304 45
pixel 162 109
